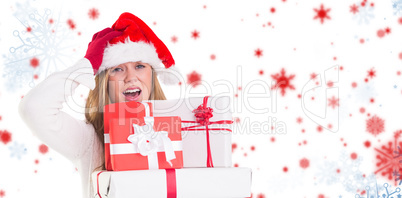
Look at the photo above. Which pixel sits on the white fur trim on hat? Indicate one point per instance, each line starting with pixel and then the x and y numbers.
pixel 129 51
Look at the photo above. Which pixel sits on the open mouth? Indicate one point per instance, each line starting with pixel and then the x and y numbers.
pixel 132 94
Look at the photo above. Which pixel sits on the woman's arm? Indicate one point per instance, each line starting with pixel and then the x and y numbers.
pixel 40 110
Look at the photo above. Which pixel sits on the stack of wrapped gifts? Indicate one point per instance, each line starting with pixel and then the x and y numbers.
pixel 170 148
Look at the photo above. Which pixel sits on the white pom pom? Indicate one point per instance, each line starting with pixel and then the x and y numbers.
pixel 169 76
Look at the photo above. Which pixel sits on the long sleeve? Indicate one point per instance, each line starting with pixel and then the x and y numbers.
pixel 41 108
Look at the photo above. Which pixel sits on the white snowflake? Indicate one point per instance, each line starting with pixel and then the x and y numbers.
pixel 378 191
pixel 22 11
pixel 17 150
pixel 346 171
pixel 327 173
pixel 397 6
pixel 365 14
pixel 367 183
pixel 364 91
pixel 16 73
pixel 46 41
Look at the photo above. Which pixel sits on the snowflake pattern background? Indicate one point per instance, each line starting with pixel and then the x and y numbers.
pixel 48 40
pixel 246 54
pixel 17 150
pixel 346 171
pixel 365 13
pixel 397 6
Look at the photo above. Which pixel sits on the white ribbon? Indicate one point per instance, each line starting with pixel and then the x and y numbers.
pixel 147 141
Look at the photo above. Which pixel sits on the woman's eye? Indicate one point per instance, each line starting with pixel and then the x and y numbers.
pixel 140 66
pixel 117 69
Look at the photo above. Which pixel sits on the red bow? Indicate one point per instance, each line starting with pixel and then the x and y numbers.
pixel 203 114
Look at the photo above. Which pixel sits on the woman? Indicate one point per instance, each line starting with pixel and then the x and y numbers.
pixel 125 60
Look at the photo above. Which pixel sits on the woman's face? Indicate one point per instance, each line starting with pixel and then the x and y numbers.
pixel 130 81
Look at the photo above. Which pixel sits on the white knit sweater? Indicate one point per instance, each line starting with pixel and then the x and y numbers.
pixel 73 138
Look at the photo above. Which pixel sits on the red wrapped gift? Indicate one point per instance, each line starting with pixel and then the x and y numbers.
pixel 146 143
pixel 122 110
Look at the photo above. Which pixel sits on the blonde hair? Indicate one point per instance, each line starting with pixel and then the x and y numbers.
pixel 99 97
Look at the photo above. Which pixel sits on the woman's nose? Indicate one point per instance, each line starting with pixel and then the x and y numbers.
pixel 131 75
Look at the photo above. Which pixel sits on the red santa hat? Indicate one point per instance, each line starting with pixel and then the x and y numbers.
pixel 139 43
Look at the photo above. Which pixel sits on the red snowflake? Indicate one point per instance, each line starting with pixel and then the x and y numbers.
pixel 353 156
pixel 388 157
pixel 380 33
pixel 321 196
pixel 283 81
pixel 5 137
pixel 2 193
pixel 299 120
pixel 371 73
pixel 195 34
pixel 304 163
pixel 273 10
pixel 354 9
pixel 375 125
pixel 367 143
pixel 333 102
pixel 174 39
pixel 34 62
pixel 51 21
pixel 71 24
pixel 213 57
pixel 388 30
pixel 43 149
pixel 260 195
pixel 330 83
pixel 322 13
pixel 29 29
pixel 258 52
pixel 313 76
pixel 93 13
pixel 194 79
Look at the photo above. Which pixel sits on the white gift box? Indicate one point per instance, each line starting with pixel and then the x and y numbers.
pixel 187 182
pixel 195 142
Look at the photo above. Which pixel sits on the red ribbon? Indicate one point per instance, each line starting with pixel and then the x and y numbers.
pixel 97 183
pixel 202 114
pixel 171 183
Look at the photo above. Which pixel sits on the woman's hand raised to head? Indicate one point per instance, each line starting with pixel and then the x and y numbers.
pixel 97 46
